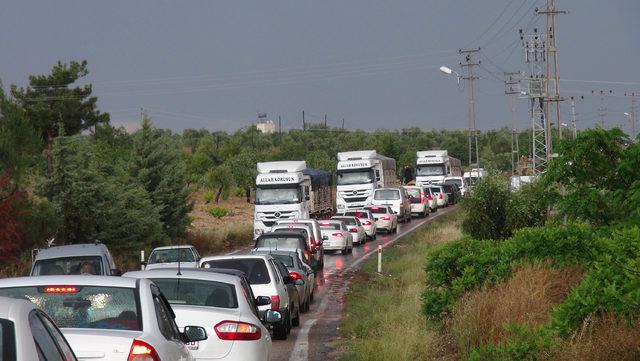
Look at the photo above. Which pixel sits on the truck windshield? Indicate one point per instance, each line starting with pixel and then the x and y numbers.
pixel 430 169
pixel 68 266
pixel 355 177
pixel 290 195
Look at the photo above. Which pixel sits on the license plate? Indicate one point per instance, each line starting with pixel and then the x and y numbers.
pixel 193 345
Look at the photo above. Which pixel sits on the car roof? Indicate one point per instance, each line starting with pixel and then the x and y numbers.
pixel 282 234
pixel 343 217
pixel 240 256
pixel 295 225
pixel 173 247
pixel 331 221
pixel 70 280
pixel 276 251
pixel 73 250
pixel 388 189
pixel 189 273
pixel 14 307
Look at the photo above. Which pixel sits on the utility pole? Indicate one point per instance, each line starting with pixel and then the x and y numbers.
pixel 602 109
pixel 633 113
pixel 468 65
pixel 325 121
pixel 573 118
pixel 512 89
pixel 553 93
pixel 535 56
pixel 304 124
pixel 342 124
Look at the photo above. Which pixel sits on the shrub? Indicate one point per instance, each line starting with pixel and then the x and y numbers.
pixel 208 197
pixel 485 210
pixel 524 343
pixel 219 212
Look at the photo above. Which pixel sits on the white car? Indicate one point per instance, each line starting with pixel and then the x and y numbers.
pixel 419 200
pixel 307 229
pixel 108 318
pixel 385 218
pixel 354 226
pixel 25 331
pixel 397 199
pixel 317 236
pixel 336 236
pixel 442 198
pixel 223 304
pixel 169 256
pixel 460 182
pixel 366 219
pixel 264 280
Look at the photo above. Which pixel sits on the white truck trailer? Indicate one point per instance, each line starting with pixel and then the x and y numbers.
pixel 470 178
pixel 358 174
pixel 289 190
pixel 433 166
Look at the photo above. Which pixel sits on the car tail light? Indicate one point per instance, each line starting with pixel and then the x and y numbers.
pixel 275 302
pixel 353 230
pixel 60 289
pixel 318 248
pixel 237 331
pixel 337 234
pixel 430 197
pixel 142 351
pixel 440 195
pixel 366 223
pixel 375 208
pixel 421 197
pixel 386 218
pixel 325 223
pixel 295 276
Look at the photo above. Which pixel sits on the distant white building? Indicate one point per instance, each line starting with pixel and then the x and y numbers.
pixel 266 126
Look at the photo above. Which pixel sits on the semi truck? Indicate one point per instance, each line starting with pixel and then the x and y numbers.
pixel 433 166
pixel 289 190
pixel 358 174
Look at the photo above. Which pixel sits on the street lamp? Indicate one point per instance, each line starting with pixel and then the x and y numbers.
pixel 448 71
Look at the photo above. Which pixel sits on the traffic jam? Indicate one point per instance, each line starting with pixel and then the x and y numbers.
pixel 77 305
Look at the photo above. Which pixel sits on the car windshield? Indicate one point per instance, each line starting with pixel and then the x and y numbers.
pixel 386 195
pixel 180 291
pixel 330 226
pixel 288 195
pixel 254 268
pixel 286 260
pixel 278 242
pixel 430 169
pixel 355 177
pixel 68 266
pixel 171 255
pixel 76 306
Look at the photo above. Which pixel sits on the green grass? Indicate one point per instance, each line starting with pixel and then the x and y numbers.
pixel 383 318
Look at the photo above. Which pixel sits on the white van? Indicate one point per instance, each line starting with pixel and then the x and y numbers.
pixel 397 199
pixel 75 259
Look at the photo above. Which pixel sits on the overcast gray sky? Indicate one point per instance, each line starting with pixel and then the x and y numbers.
pixel 215 64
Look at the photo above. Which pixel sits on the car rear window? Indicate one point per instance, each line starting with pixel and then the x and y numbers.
pixel 348 221
pixel 387 194
pixel 7 341
pixel 414 192
pixel 280 243
pixel 435 190
pixel 331 226
pixel 302 231
pixel 172 255
pixel 357 214
pixel 286 260
pixel 68 266
pixel 254 268
pixel 76 306
pixel 456 181
pixel 379 210
pixel 180 291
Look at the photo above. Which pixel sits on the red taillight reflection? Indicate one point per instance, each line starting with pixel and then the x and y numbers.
pixel 430 198
pixel 440 196
pixel 421 197
pixel 387 218
pixel 61 289
pixel 353 230
pixel 275 302
pixel 366 223
pixel 295 276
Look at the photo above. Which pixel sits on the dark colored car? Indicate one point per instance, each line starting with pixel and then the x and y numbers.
pixel 293 240
pixel 453 192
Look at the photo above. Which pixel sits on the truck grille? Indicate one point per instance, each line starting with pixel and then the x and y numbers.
pixel 355 199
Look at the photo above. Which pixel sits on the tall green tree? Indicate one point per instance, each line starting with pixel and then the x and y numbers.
pixel 158 166
pixel 52 99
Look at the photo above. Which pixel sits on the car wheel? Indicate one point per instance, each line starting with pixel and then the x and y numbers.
pixel 311 297
pixel 296 320
pixel 280 329
pixel 345 251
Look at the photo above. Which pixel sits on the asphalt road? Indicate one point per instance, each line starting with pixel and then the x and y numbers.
pixel 316 337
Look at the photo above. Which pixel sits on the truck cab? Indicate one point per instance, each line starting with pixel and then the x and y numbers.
pixel 359 173
pixel 282 192
pixel 433 166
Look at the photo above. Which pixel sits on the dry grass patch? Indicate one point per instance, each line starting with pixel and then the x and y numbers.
pixel 229 236
pixel 527 298
pixel 606 338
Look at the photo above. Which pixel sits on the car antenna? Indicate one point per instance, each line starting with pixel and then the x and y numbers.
pixel 179 273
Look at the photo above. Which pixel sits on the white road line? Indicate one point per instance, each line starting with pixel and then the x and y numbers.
pixel 301 349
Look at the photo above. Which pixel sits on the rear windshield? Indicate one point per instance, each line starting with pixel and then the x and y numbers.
pixel 414 192
pixel 287 260
pixel 254 268
pixel 302 231
pixel 280 243
pixel 68 266
pixel 379 210
pixel 100 307
pixel 435 190
pixel 7 341
pixel 198 292
pixel 390 194
pixel 171 255
pixel 348 221
pixel 357 214
pixel 331 226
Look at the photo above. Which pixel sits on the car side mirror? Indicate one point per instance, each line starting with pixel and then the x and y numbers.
pixel 299 282
pixel 271 316
pixel 286 280
pixel 194 333
pixel 263 301
pixel 116 272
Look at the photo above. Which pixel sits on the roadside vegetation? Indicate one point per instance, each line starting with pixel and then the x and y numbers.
pixel 67 173
pixel 550 272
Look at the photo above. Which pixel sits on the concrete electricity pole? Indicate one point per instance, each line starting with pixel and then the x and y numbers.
pixel 633 113
pixel 512 89
pixel 468 66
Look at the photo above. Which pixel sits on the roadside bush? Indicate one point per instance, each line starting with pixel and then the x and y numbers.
pixel 485 210
pixel 219 212
pixel 208 197
pixel 524 344
pixel 528 206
